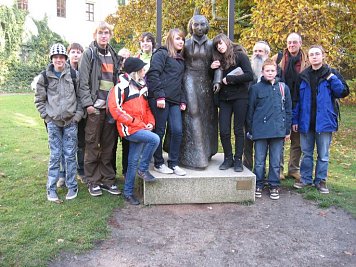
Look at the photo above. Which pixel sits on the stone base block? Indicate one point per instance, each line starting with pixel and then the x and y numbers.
pixel 210 185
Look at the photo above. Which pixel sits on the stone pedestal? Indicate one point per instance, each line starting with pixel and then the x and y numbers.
pixel 201 186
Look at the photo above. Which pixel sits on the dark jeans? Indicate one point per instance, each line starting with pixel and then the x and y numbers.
pixel 238 107
pixel 173 115
pixel 274 146
pixel 100 137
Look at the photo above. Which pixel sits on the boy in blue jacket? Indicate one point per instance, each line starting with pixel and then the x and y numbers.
pixel 268 122
pixel 315 117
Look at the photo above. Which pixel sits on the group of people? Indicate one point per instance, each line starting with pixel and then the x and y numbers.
pixel 173 97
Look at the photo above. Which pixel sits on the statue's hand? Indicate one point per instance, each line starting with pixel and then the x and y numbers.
pixel 216 88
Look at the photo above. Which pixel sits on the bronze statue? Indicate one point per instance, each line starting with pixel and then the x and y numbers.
pixel 200 120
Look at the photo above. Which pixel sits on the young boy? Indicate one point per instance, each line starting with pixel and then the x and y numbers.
pixel 269 121
pixel 58 104
pixel 75 52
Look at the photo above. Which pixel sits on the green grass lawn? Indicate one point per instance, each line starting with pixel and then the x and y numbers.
pixel 34 230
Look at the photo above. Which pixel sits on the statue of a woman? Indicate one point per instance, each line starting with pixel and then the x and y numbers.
pixel 200 120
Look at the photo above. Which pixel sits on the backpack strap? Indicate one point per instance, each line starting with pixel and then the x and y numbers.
pixel 279 57
pixel 73 75
pixel 45 79
pixel 281 89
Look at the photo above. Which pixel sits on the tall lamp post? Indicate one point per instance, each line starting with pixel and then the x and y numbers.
pixel 159 22
pixel 231 19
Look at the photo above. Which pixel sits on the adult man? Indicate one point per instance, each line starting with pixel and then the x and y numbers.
pixel 293 61
pixel 314 117
pixel 99 69
pixel 200 120
pixel 261 51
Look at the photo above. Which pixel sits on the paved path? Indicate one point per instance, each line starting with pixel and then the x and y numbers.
pixel 287 232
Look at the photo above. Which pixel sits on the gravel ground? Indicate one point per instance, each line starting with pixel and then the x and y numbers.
pixel 288 232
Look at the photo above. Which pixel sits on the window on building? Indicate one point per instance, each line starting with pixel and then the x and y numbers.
pixel 22 4
pixel 90 11
pixel 61 8
pixel 121 2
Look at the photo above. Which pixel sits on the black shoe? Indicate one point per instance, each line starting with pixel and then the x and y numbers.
pixel 238 165
pixel 112 189
pixel 147 176
pixel 94 190
pixel 321 187
pixel 228 163
pixel 132 200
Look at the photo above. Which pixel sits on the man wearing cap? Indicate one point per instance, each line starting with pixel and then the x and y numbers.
pixel 98 70
pixel 57 101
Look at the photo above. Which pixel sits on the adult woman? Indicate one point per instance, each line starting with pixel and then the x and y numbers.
pixel 167 99
pixel 233 97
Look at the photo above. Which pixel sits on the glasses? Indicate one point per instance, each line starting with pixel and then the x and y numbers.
pixel 103 33
pixel 293 42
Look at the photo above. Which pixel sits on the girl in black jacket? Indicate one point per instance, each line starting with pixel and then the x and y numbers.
pixel 166 98
pixel 233 96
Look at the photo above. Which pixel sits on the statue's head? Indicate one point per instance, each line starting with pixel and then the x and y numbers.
pixel 198 25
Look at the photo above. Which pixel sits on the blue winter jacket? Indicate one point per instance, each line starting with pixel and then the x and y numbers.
pixel 269 112
pixel 326 116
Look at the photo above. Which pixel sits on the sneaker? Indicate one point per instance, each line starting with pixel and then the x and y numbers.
pixel 112 189
pixel 52 196
pixel 273 193
pixel 258 192
pixel 238 165
pixel 321 187
pixel 179 171
pixel 132 200
pixel 163 169
pixel 72 193
pixel 95 190
pixel 228 163
pixel 61 182
pixel 146 176
pixel 300 185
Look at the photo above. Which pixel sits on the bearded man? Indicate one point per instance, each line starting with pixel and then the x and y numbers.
pixel 261 51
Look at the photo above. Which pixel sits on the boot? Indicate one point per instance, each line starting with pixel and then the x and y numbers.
pixel 238 165
pixel 228 163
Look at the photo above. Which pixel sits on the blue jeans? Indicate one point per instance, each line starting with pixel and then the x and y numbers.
pixel 274 145
pixel 307 142
pixel 142 144
pixel 80 152
pixel 173 115
pixel 62 141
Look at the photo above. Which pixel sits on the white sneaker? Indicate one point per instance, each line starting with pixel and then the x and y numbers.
pixel 179 171
pixel 163 169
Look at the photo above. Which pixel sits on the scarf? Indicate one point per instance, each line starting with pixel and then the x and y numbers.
pixel 290 74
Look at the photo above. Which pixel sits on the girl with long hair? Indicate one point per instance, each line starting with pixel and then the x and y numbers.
pixel 166 98
pixel 233 96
